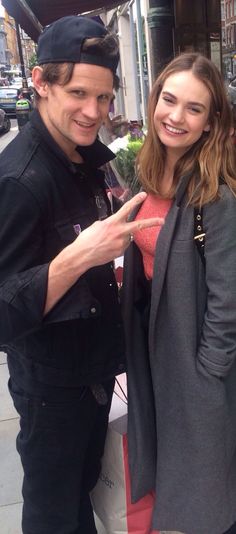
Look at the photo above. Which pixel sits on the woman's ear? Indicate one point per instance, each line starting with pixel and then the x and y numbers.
pixel 208 127
pixel 40 85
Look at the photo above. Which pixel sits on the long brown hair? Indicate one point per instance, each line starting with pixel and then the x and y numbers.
pixel 211 157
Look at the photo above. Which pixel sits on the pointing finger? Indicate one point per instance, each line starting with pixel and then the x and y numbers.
pixel 134 226
pixel 123 213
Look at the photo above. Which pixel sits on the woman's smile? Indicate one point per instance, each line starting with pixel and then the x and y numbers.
pixel 174 130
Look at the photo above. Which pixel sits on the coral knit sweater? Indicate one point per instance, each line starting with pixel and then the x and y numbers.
pixel 146 239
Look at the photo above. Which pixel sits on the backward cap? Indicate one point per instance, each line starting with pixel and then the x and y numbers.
pixel 61 42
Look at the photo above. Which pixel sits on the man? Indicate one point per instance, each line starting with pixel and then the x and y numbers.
pixel 60 318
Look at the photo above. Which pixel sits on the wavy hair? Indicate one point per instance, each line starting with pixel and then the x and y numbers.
pixel 210 157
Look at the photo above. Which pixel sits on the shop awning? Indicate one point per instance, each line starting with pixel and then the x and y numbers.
pixel 32 15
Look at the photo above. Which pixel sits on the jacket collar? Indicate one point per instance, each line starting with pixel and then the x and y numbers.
pixel 95 155
pixel 182 187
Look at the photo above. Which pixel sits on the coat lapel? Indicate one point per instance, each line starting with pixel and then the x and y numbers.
pixel 160 265
pixel 162 253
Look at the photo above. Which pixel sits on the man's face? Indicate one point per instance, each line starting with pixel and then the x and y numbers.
pixel 73 113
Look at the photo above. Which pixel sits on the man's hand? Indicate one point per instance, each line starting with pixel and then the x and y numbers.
pixel 105 240
pixel 100 243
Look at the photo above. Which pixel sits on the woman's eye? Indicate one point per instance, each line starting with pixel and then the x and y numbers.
pixel 194 110
pixel 168 99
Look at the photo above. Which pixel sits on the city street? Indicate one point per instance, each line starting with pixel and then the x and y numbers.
pixel 7 137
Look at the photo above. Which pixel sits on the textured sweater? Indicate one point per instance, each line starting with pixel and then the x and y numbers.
pixel 146 239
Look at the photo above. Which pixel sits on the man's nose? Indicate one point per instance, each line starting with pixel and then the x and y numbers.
pixel 91 108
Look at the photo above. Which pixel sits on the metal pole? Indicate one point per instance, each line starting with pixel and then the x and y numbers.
pixel 161 23
pixel 20 50
pixel 134 61
pixel 120 95
pixel 140 56
pixel 24 79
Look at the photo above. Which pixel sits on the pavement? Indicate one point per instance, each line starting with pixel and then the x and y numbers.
pixel 10 467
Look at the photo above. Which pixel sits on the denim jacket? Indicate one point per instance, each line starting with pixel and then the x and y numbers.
pixel 45 201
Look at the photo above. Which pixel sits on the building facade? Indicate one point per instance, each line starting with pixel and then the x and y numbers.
pixel 228 30
pixel 168 28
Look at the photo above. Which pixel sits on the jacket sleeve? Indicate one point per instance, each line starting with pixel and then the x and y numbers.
pixel 217 349
pixel 23 283
pixel 23 278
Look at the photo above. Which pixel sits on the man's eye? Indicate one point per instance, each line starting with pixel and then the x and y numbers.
pixel 104 98
pixel 80 94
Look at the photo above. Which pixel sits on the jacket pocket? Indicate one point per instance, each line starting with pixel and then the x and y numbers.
pixel 66 232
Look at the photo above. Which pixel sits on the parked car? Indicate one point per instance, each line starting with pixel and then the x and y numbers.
pixel 8 99
pixel 4 81
pixel 232 91
pixel 5 123
pixel 17 81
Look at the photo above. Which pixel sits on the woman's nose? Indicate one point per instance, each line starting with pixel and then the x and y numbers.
pixel 177 114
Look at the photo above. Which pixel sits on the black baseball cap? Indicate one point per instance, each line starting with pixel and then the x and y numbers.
pixel 61 42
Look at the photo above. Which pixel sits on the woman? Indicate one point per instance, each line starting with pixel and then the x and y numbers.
pixel 180 306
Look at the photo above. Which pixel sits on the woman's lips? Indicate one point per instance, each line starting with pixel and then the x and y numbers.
pixel 173 130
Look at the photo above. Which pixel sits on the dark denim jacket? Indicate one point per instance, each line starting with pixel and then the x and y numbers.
pixel 45 200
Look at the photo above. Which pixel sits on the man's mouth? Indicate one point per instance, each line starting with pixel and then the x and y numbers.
pixel 88 125
pixel 171 129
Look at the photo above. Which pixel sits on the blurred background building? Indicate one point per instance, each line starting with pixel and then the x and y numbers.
pixel 151 32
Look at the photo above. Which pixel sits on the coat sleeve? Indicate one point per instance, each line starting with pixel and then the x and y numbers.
pixel 23 278
pixel 217 349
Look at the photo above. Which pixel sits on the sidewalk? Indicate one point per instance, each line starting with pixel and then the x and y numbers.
pixel 9 136
pixel 10 466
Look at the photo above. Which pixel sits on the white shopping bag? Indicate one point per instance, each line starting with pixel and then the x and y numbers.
pixel 111 496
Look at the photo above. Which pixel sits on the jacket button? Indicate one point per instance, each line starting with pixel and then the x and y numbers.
pixel 93 310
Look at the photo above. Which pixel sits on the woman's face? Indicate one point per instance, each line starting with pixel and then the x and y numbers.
pixel 182 111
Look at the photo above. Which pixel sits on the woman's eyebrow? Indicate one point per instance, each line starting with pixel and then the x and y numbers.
pixel 167 93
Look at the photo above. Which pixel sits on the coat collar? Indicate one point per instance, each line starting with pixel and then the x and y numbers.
pixel 160 264
pixel 182 187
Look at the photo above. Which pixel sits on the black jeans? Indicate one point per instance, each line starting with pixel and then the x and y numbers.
pixel 60 444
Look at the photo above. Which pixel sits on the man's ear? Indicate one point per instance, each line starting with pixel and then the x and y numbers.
pixel 40 85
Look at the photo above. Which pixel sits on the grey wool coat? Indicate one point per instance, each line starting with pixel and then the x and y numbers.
pixel 182 377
